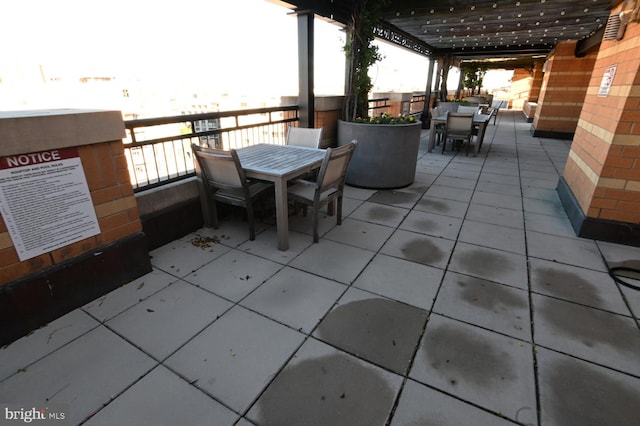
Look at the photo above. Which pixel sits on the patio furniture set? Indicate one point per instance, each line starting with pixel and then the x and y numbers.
pixel 244 176
pixel 304 173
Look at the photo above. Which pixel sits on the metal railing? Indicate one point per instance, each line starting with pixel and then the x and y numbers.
pixel 158 150
pixel 378 106
pixel 417 105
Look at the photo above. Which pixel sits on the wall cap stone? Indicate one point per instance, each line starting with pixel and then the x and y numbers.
pixel 41 130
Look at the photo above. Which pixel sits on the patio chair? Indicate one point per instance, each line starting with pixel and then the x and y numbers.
pixel 459 128
pixel 300 136
pixel 327 187
pixel 305 137
pixel 224 181
pixel 469 109
pixel 439 133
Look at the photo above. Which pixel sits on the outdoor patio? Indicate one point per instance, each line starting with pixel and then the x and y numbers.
pixel 464 299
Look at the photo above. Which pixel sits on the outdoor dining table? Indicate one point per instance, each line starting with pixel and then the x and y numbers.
pixel 481 120
pixel 279 164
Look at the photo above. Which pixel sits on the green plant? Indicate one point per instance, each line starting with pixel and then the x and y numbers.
pixel 385 118
pixel 473 77
pixel 361 54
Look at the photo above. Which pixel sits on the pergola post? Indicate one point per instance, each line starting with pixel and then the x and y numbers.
pixel 306 82
pixel 426 118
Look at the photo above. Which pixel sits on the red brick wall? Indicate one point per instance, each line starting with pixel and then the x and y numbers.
pixel 536 82
pixel 520 88
pixel 603 169
pixel 105 168
pixel 564 87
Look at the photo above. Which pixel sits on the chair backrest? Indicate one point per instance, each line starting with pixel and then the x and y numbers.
pixel 469 109
pixel 459 122
pixel 300 136
pixel 447 107
pixel 334 167
pixel 220 169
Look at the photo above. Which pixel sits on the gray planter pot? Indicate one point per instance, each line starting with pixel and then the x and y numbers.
pixel 386 155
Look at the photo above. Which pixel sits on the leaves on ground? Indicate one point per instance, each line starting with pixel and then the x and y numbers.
pixel 205 242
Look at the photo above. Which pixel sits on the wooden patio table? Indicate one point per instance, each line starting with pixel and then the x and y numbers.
pixel 481 120
pixel 279 164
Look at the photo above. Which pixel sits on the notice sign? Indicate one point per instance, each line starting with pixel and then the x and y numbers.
pixel 607 80
pixel 45 201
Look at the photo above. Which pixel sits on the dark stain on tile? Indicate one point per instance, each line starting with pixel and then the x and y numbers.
pixel 436 205
pixel 492 297
pixel 379 330
pixel 393 197
pixel 590 326
pixel 570 286
pixel 426 225
pixel 422 251
pixel 479 261
pixel 458 356
pixel 382 213
pixel 582 395
pixel 329 390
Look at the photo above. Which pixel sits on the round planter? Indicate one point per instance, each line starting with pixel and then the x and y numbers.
pixel 386 155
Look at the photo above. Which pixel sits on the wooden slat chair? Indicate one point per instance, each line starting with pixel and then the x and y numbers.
pixel 459 128
pixel 327 187
pixel 300 136
pixel 439 130
pixel 224 181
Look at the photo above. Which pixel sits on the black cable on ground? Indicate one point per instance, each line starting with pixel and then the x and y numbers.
pixel 616 278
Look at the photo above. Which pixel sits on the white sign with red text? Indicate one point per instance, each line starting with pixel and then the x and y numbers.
pixel 45 201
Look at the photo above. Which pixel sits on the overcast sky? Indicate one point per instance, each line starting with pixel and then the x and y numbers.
pixel 227 44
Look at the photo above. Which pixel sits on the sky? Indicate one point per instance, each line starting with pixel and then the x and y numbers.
pixel 218 46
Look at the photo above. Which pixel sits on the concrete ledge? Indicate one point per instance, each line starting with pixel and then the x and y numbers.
pixel 170 224
pixel 34 131
pixel 529 110
pixel 35 300
pixel 170 212
pixel 164 197
pixel 592 228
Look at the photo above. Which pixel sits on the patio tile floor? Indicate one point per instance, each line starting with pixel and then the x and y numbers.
pixel 464 298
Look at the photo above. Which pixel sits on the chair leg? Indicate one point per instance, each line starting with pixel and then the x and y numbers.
pixel 250 219
pixel 214 213
pixel 316 237
pixel 331 208
pixel 339 212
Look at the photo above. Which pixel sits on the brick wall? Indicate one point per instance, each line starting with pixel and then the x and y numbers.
pixel 536 82
pixel 520 87
pixel 108 179
pixel 603 169
pixel 563 90
pixel 107 175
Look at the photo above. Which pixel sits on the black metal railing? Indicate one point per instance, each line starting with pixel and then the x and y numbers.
pixel 417 105
pixel 158 150
pixel 377 106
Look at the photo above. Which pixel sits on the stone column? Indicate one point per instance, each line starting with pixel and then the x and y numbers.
pixel 565 83
pixel 600 187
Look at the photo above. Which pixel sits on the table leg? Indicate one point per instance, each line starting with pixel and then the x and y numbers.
pixel 282 214
pixel 481 132
pixel 432 136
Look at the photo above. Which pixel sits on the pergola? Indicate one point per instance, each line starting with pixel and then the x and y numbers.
pixel 498 33
pixel 582 60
